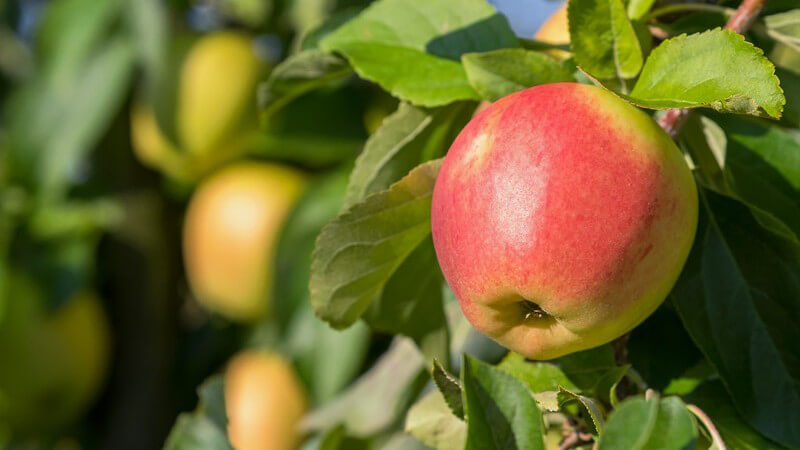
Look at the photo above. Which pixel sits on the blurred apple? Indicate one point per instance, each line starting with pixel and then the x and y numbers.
pixel 555 30
pixel 217 89
pixel 264 402
pixel 52 363
pixel 215 112
pixel 230 236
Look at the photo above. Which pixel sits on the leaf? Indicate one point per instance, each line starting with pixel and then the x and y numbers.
pixel 498 73
pixel 661 350
pixel 713 400
pixel 762 169
pixel 538 376
pixel 593 371
pixel 205 428
pixel 411 47
pixel 657 424
pixel 716 69
pixel 785 27
pixel 450 388
pixel 739 299
pixel 298 74
pixel 431 421
pixel 148 23
pixel 501 412
pixel 603 40
pixel 638 8
pixel 591 409
pixel 357 253
pixel 378 397
pixel 411 303
pixel 405 139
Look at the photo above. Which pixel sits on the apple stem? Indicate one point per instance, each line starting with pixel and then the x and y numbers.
pixel 716 438
pixel 673 120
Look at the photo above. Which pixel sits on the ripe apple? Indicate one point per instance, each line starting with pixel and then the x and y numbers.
pixel 562 217
pixel 230 235
pixel 264 402
pixel 217 89
pixel 52 364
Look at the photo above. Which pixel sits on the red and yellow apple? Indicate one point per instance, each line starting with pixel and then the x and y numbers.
pixel 264 402
pixel 52 363
pixel 562 217
pixel 230 236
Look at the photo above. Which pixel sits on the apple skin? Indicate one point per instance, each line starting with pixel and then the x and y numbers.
pixel 52 363
pixel 217 86
pixel 565 196
pixel 230 236
pixel 264 402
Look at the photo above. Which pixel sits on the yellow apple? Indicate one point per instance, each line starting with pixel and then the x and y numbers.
pixel 217 91
pixel 231 230
pixel 264 402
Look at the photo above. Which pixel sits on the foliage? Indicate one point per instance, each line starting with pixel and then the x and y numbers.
pixel 362 310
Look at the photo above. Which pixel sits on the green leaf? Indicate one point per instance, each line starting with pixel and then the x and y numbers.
pixel 411 47
pixel 450 388
pixel 714 401
pixel 205 428
pixel 739 298
pixel 785 28
pixel 501 412
pixel 718 69
pixel 298 74
pixel 431 421
pixel 753 162
pixel 590 408
pixel 661 350
pixel 593 371
pixel 55 123
pixel 405 139
pixel 499 73
pixel 377 398
pixel 359 251
pixel 790 82
pixel 603 40
pixel 538 376
pixel 148 23
pixel 326 359
pixel 638 8
pixel 411 303
pixel 657 424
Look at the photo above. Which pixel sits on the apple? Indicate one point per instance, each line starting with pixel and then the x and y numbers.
pixel 217 90
pixel 230 236
pixel 215 111
pixel 52 363
pixel 555 30
pixel 561 218
pixel 264 402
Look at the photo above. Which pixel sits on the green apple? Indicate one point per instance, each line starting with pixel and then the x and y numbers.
pixel 52 363
pixel 562 217
pixel 230 236
pixel 264 402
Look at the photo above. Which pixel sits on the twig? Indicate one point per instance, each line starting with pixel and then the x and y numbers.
pixel 673 119
pixel 716 438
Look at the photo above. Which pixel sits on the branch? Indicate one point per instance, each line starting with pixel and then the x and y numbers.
pixel 673 119
pixel 716 438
